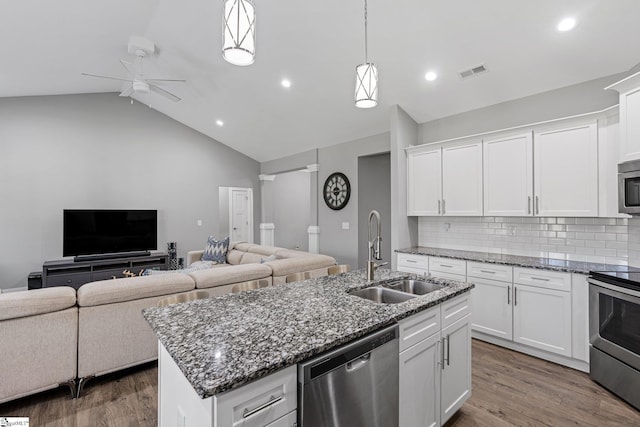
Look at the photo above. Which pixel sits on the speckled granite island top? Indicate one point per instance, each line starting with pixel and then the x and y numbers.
pixel 221 343
pixel 517 261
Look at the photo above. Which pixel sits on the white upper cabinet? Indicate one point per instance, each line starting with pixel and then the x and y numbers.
pixel 629 89
pixel 566 171
pixel 462 179
pixel 508 176
pixel 424 182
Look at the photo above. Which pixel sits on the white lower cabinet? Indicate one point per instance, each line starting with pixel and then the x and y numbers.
pixel 289 420
pixel 542 318
pixel 435 373
pixel 492 312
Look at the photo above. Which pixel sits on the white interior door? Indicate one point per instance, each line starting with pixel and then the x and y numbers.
pixel 241 214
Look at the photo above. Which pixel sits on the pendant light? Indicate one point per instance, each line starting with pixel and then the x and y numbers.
pixel 239 32
pixel 366 76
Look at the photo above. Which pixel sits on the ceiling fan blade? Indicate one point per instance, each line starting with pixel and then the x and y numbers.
pixel 164 93
pixel 106 77
pixel 127 92
pixel 165 80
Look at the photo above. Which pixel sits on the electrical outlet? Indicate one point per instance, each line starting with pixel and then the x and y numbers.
pixel 199 223
pixel 345 225
pixel 512 230
pixel 447 226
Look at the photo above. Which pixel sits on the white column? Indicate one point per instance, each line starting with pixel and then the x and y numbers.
pixel 267 233
pixel 314 239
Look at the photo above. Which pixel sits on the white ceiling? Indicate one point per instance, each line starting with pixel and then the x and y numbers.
pixel 47 44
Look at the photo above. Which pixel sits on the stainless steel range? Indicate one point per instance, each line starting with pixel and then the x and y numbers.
pixel 614 332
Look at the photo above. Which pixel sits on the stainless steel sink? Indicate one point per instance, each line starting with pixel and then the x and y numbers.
pixel 416 287
pixel 383 295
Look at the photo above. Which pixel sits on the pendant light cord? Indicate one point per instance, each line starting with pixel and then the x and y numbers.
pixel 366 53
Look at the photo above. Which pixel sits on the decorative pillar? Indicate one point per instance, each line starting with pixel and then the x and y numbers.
pixel 314 239
pixel 314 229
pixel 267 227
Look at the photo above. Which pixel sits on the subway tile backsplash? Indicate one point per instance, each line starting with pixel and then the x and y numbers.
pixel 602 240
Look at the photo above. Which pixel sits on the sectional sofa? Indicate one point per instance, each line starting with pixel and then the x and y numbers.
pixel 56 336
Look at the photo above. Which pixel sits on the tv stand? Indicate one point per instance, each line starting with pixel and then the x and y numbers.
pixel 98 257
pixel 76 273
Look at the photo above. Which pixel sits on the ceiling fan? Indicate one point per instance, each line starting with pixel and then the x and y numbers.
pixel 141 47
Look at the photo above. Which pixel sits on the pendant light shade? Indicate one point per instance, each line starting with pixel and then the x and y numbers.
pixel 366 76
pixel 239 36
pixel 366 85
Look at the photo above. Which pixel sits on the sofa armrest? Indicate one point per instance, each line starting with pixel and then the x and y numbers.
pixel 193 256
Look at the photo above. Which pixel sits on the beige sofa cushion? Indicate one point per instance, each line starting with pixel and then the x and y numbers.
pixel 249 258
pixel 36 301
pixel 282 267
pixel 290 253
pixel 229 274
pixel 264 250
pixel 234 256
pixel 133 288
pixel 242 246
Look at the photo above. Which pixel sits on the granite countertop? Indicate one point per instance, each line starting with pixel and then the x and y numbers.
pixel 221 343
pixel 518 261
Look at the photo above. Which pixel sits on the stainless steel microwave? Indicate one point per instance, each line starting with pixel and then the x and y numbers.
pixel 629 187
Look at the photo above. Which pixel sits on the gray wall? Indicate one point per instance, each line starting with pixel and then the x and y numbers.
pixel 291 206
pixel 581 98
pixel 334 241
pixel 374 192
pixel 98 151
pixel 290 163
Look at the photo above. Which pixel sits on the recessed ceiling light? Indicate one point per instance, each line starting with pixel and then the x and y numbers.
pixel 219 122
pixel 566 24
pixel 431 76
pixel 285 83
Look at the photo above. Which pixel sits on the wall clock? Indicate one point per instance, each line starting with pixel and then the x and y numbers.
pixel 337 191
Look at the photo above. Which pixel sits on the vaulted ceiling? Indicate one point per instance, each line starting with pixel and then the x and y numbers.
pixel 46 45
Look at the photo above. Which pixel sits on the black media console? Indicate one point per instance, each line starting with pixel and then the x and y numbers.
pixel 77 273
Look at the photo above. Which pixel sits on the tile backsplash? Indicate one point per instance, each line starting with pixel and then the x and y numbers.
pixel 602 240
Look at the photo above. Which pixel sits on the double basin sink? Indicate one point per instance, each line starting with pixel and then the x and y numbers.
pixel 397 291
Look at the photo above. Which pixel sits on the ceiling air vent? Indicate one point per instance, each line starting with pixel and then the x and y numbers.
pixel 473 71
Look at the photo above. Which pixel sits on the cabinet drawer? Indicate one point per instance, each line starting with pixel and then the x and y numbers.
pixel 418 327
pixel 74 280
pixel 450 276
pixel 542 278
pixel 455 309
pixel 289 420
pixel 503 273
pixel 260 402
pixel 448 265
pixel 413 261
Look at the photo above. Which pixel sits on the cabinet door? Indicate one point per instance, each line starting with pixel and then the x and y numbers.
pixel 456 372
pixel 542 318
pixel 424 182
pixel 492 312
pixel 462 180
pixel 289 420
pixel 419 391
pixel 566 172
pixel 508 176
pixel 630 125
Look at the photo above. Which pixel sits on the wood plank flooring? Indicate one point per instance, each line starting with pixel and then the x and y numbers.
pixel 509 389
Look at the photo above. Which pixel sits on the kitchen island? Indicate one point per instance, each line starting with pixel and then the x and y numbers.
pixel 212 347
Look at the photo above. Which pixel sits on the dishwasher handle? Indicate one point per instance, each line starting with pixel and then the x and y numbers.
pixel 358 363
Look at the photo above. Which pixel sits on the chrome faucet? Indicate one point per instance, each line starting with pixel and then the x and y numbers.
pixel 374 247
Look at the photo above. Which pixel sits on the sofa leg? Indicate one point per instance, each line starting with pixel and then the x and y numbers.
pixel 72 386
pixel 81 383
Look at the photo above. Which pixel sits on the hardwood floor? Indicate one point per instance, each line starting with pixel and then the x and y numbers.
pixel 509 389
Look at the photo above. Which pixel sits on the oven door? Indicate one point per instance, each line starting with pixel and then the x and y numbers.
pixel 614 321
pixel 629 192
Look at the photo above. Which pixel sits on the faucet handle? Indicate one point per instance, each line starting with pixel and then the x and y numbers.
pixel 381 264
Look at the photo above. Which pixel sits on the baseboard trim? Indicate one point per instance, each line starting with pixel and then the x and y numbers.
pixel 540 354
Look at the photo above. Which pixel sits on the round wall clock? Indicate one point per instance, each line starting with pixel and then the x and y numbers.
pixel 337 191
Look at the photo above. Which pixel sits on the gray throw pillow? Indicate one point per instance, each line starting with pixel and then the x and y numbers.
pixel 216 250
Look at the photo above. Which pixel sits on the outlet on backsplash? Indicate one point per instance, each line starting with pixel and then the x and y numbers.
pixel 447 226
pixel 512 230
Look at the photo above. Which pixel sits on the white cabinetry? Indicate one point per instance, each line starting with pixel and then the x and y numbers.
pixel 445 180
pixel 508 175
pixel 492 306
pixel 268 401
pixel 435 365
pixel 448 268
pixel 629 89
pixel 416 264
pixel 566 171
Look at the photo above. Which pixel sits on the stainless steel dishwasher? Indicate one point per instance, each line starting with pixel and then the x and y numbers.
pixel 354 385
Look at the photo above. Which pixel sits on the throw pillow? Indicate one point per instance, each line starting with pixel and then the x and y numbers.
pixel 269 258
pixel 216 250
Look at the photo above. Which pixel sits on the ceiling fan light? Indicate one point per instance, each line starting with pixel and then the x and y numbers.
pixel 140 86
pixel 366 85
pixel 238 29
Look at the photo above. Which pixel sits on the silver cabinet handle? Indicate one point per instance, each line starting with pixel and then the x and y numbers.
pixel 272 401
pixel 439 213
pixel 515 296
pixel 443 210
pixel 529 205
pixel 448 350
pixel 412 261
pixel 446 265
pixel 488 271
pixel 508 296
pixel 537 206
pixel 442 350
pixel 542 279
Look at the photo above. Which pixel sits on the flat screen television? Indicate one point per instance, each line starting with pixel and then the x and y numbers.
pixel 95 232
